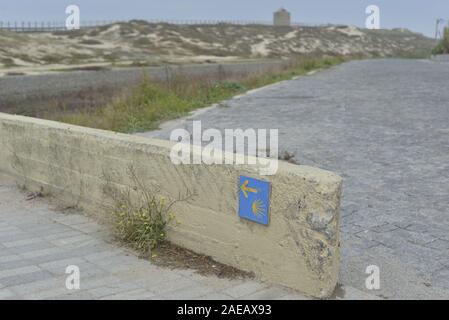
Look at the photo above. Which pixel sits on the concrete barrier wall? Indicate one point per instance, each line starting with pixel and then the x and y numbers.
pixel 300 248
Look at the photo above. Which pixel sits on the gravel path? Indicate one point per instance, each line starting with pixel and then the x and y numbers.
pixel 383 125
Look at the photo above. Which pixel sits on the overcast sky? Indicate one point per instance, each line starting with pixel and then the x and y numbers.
pixel 417 15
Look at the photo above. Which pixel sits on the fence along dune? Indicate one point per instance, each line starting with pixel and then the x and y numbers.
pixel 52 26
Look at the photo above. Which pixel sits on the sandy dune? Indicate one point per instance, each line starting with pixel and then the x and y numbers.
pixel 139 42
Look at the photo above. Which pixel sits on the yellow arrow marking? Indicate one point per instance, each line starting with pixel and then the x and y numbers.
pixel 247 189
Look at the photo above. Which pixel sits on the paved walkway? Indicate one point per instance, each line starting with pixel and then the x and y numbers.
pixel 383 125
pixel 37 243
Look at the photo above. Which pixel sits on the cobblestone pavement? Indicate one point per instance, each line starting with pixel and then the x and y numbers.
pixel 383 125
pixel 38 243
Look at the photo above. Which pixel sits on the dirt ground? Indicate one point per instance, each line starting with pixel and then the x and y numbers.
pixel 175 257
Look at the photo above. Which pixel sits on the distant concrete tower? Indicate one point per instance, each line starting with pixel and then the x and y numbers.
pixel 281 18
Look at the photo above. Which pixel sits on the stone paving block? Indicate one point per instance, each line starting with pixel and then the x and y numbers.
pixel 387 227
pixel 62 235
pixel 90 227
pixel 154 278
pixel 104 290
pixel 293 296
pixel 418 238
pixel 31 223
pixel 67 241
pixel 444 261
pixel 46 229
pixel 215 296
pixel 89 249
pixel 71 219
pixel 244 289
pixel 355 294
pixel 86 269
pixel 7 294
pixel 219 283
pixel 14 236
pixel 370 239
pixel 53 293
pixel 9 229
pixel 25 278
pixel 18 271
pixel 62 263
pixel 14 264
pixel 41 253
pixel 31 248
pixel 39 285
pixel 75 295
pixel 170 286
pixel 103 285
pixel 108 253
pixel 138 294
pixel 51 256
pixel 20 243
pixel 8 257
pixel 264 294
pixel 440 245
pixel 116 264
pixel 439 277
pixel 83 244
pixel 189 293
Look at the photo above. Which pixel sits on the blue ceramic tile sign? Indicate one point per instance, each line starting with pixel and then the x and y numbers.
pixel 254 199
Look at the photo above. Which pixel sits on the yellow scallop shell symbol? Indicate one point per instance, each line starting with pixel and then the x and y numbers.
pixel 258 208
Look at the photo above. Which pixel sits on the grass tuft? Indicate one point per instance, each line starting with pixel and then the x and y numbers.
pixel 442 46
pixel 140 221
